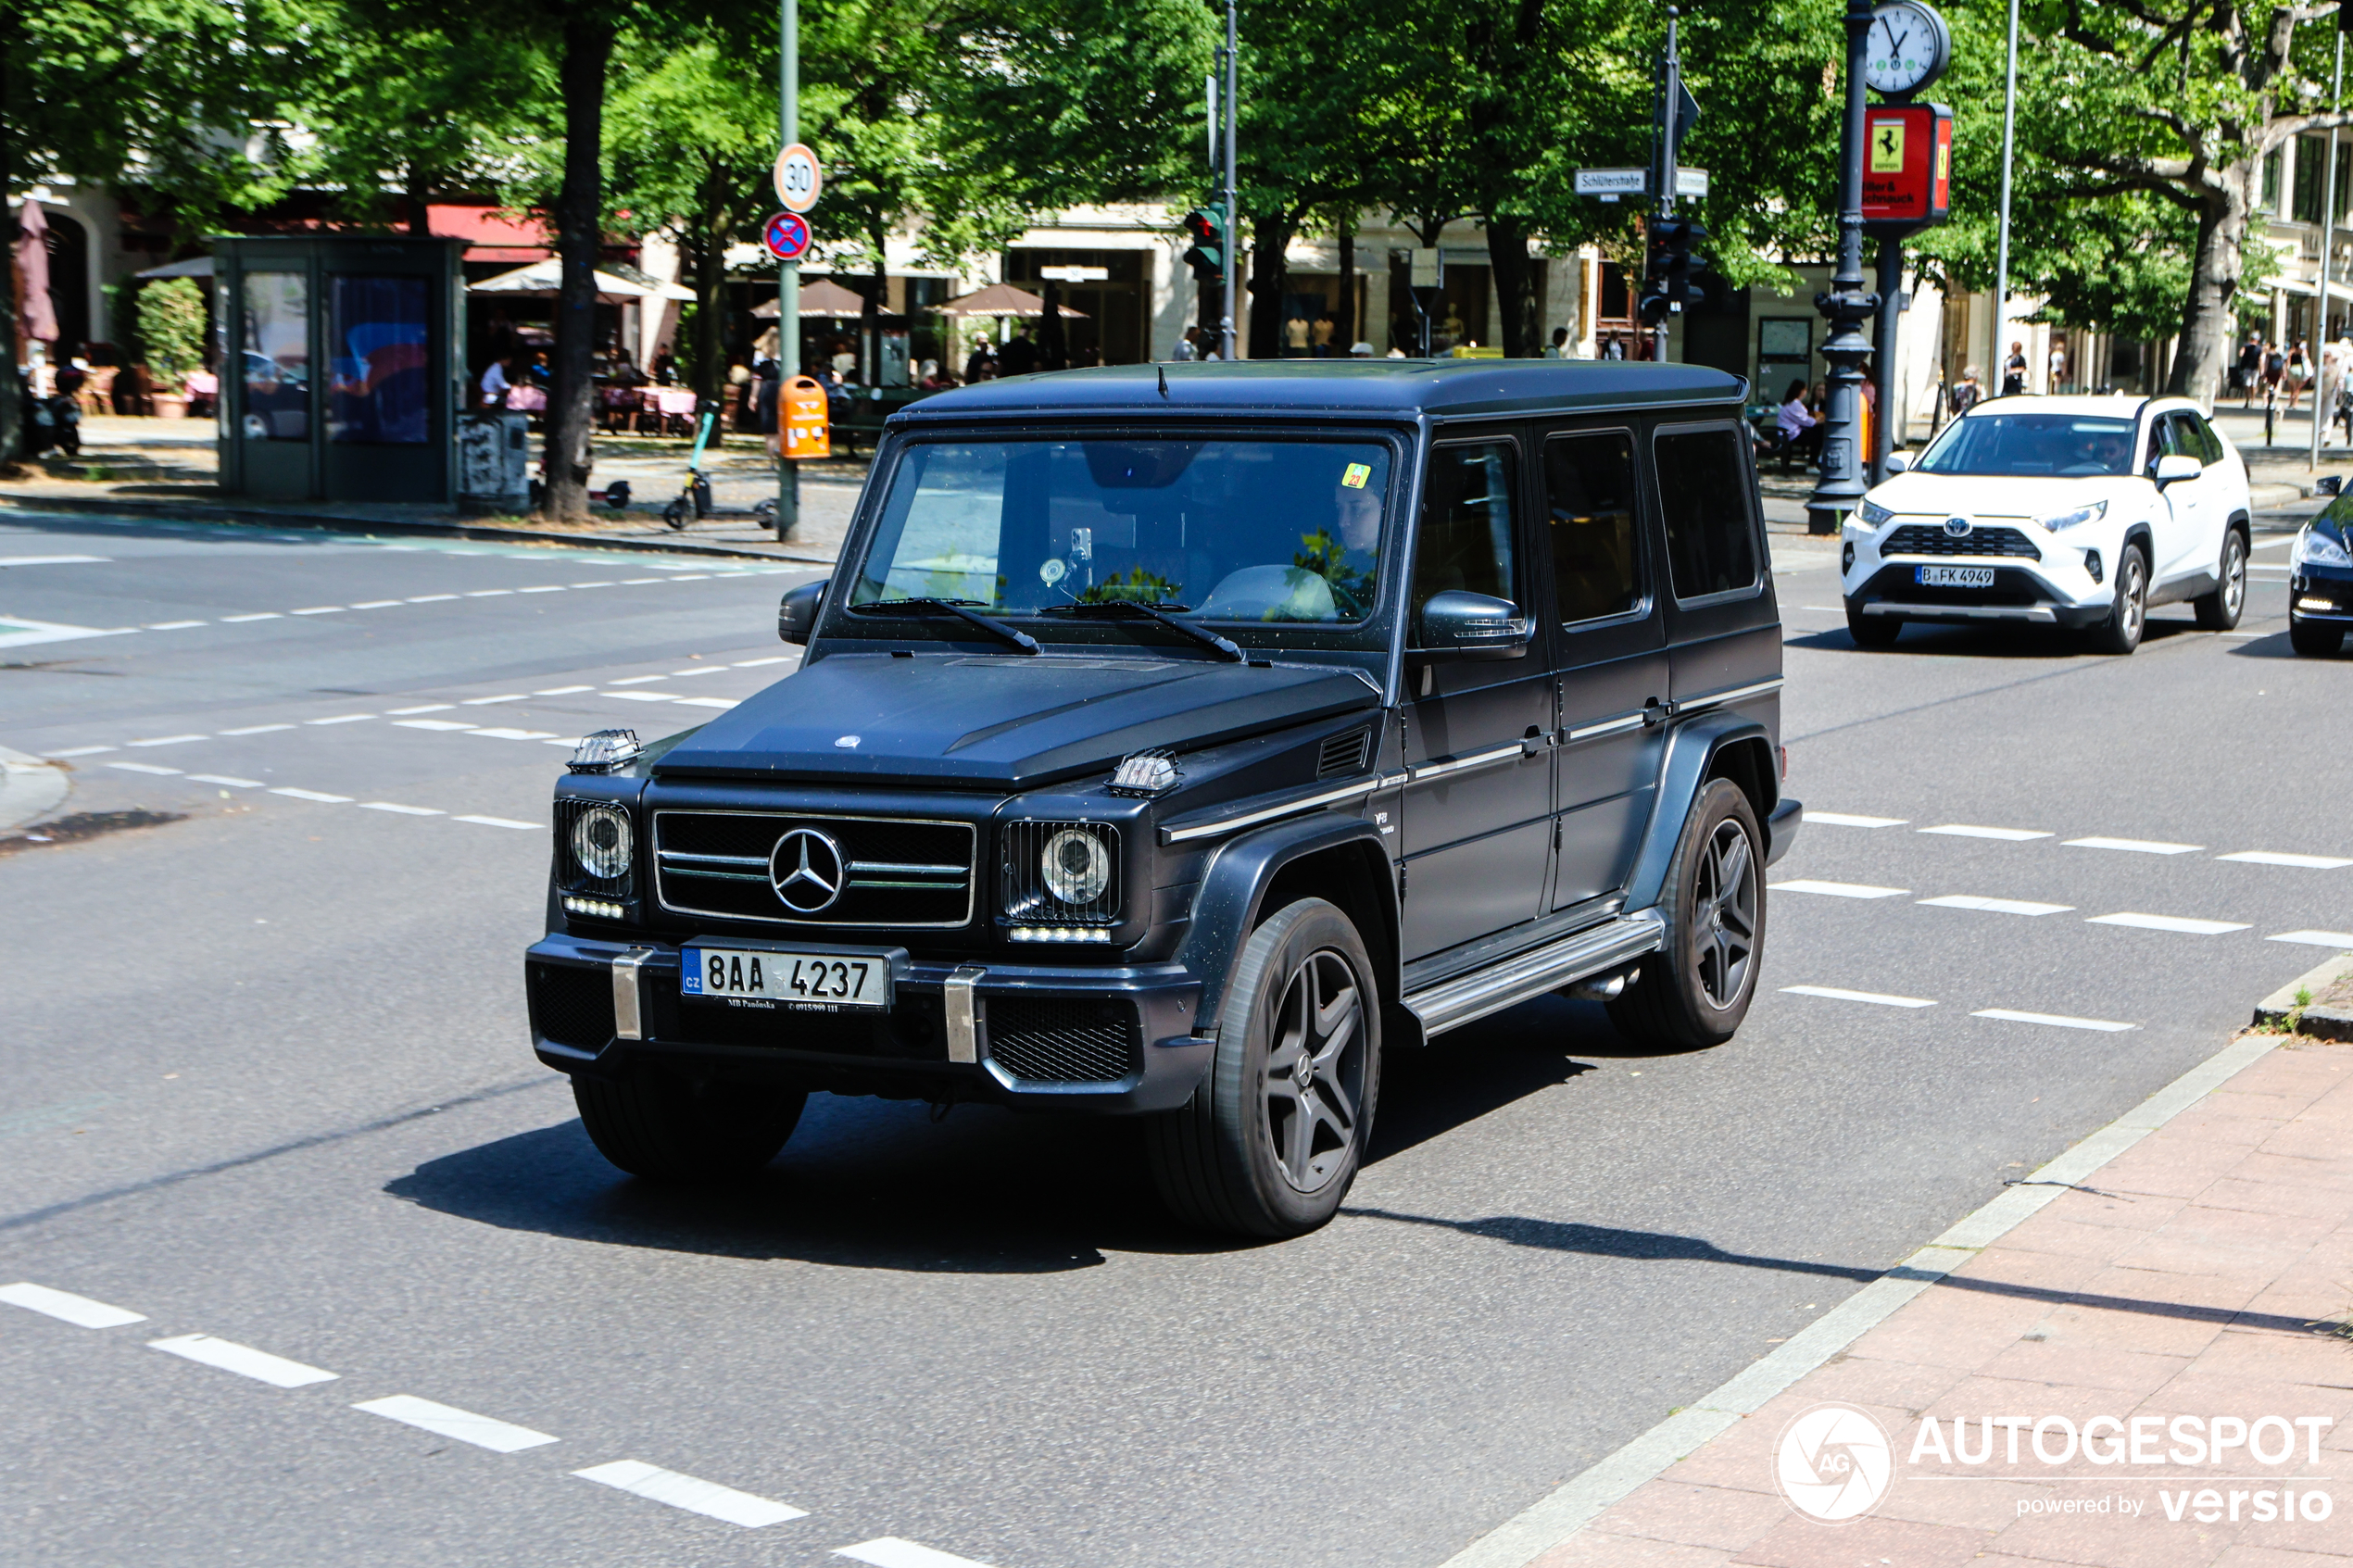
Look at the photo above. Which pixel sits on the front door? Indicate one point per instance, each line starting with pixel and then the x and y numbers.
pixel 1477 813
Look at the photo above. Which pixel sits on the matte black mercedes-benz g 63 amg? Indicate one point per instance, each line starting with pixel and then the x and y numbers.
pixel 1174 741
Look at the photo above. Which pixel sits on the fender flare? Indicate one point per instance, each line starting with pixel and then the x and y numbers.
pixel 1227 905
pixel 1692 750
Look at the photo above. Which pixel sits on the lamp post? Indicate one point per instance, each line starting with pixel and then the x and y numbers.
pixel 788 275
pixel 1847 306
pixel 1994 363
pixel 1226 346
pixel 2321 412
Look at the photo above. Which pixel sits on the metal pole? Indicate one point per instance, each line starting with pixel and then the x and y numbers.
pixel 1847 306
pixel 1225 346
pixel 2002 247
pixel 1670 93
pixel 1891 302
pixel 788 274
pixel 2328 249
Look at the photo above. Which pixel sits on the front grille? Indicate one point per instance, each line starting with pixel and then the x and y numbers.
pixel 1028 899
pixel 569 1004
pixel 1918 539
pixel 893 871
pixel 1063 1039
pixel 570 875
pixel 1343 754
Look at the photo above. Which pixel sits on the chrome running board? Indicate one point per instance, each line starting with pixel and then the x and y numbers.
pixel 1607 946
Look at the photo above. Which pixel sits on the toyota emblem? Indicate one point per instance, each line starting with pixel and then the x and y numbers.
pixel 1956 526
pixel 807 870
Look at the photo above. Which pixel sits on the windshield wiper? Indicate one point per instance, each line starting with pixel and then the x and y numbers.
pixel 1159 609
pixel 957 608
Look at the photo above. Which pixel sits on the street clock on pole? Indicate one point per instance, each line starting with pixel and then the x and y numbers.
pixel 1907 49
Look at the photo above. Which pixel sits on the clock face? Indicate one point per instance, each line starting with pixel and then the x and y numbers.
pixel 1905 50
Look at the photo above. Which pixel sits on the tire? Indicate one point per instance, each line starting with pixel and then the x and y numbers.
pixel 1873 631
pixel 674 514
pixel 2317 638
pixel 2121 633
pixel 1253 1153
pixel 2220 610
pixel 660 1127
pixel 1695 991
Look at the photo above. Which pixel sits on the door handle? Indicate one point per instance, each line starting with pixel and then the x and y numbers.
pixel 1654 713
pixel 1533 742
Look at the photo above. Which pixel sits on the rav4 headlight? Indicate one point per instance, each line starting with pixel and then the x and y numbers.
pixel 2317 549
pixel 1874 515
pixel 2080 515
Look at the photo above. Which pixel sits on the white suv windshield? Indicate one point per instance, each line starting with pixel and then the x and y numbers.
pixel 1233 529
pixel 2067 446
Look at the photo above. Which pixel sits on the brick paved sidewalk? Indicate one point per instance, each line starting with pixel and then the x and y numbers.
pixel 2204 1273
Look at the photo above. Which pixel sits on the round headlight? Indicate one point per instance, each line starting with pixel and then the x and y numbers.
pixel 1076 866
pixel 600 843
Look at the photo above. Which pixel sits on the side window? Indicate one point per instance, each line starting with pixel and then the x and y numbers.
pixel 2206 446
pixel 1466 521
pixel 1589 494
pixel 1703 490
pixel 2165 441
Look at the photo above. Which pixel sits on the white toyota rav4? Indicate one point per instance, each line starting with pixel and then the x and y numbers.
pixel 2067 511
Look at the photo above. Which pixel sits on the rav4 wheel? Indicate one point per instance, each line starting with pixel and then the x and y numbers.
pixel 2318 639
pixel 2218 611
pixel 1873 631
pixel 1271 1141
pixel 1695 992
pixel 662 1128
pixel 2122 632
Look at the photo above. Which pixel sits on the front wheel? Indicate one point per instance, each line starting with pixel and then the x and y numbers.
pixel 1695 991
pixel 1873 631
pixel 2218 611
pixel 1272 1138
pixel 674 514
pixel 668 1129
pixel 2317 638
pixel 2122 632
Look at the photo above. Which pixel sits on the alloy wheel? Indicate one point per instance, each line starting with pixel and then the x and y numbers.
pixel 1724 914
pixel 1316 1070
pixel 2233 578
pixel 2131 592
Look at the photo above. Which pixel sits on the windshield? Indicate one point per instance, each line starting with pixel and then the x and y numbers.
pixel 1252 529
pixel 2066 445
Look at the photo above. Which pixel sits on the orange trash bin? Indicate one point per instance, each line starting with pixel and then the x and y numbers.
pixel 806 432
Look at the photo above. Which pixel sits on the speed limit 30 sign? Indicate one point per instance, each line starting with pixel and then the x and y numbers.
pixel 798 178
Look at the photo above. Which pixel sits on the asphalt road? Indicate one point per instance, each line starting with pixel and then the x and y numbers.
pixel 267 1080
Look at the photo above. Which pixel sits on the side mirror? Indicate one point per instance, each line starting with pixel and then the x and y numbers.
pixel 797 611
pixel 2174 467
pixel 1898 463
pixel 1461 624
pixel 2329 485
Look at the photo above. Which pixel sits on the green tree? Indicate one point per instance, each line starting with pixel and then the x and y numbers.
pixel 172 325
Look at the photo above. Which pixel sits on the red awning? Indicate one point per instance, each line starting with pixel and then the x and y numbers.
pixel 491 234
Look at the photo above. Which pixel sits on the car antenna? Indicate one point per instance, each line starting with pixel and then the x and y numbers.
pixel 1163 378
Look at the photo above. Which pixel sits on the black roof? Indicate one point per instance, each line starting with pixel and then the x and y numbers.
pixel 1405 387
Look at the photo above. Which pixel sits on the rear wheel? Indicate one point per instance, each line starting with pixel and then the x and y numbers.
pixel 1873 631
pixel 666 1129
pixel 1695 991
pixel 2122 632
pixel 2218 611
pixel 2318 638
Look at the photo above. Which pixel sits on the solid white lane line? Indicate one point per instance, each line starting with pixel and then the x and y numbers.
pixel 421 708
pixel 1837 889
pixel 2009 835
pixel 2135 845
pixel 238 619
pixel 167 740
pixel 258 728
pixel 142 767
pixel 518 735
pixel 176 625
pixel 645 696
pixel 428 724
pixel 448 1421
pixel 706 1498
pixel 892 1552
pixel 562 690
pixel 2341 940
pixel 1996 905
pixel 638 680
pixel 376 604
pixel 2168 922
pixel 78 751
pixel 499 823
pixel 314 795
pixel 66 1307
pixel 243 1360
pixel 1874 998
pixel 2056 1020
pixel 323 609
pixel 481 701
pixel 707 702
pixel 2249 857
pixel 224 779
pixel 1848 819
pixel 772 659
pixel 341 718
pixel 403 810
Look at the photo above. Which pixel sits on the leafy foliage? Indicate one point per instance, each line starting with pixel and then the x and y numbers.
pixel 172 325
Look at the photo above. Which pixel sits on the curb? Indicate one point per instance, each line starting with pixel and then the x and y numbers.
pixel 30 788
pixel 334 523
pixel 1554 1518
pixel 2279 1010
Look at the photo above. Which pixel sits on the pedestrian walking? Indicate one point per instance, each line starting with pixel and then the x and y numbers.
pixel 2299 374
pixel 1558 347
pixel 981 364
pixel 1966 393
pixel 2249 368
pixel 1613 346
pixel 2014 372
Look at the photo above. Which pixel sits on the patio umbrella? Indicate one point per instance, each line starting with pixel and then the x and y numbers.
pixel 539 281
pixel 824 297
pixel 37 316
pixel 1002 299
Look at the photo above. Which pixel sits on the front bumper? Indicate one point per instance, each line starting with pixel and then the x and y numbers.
pixel 1108 1039
pixel 2320 593
pixel 2057 590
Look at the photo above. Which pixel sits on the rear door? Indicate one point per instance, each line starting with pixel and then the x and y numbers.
pixel 1609 656
pixel 1723 630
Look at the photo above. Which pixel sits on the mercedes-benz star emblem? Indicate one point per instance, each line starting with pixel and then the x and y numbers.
pixel 1956 526
pixel 807 870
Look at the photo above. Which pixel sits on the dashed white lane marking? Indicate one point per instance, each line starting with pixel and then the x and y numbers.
pixel 322 609
pixel 707 702
pixel 637 680
pixel 340 719
pixel 293 793
pixel 2009 835
pixel 517 734
pixel 485 701
pixel 403 810
pixel 448 1421
pixel 2133 846
pixel 167 740
pixel 50 561
pixel 594 585
pixel 892 1552
pixel 1996 905
pixel 706 1498
pixel 2056 1020
pixel 2273 858
pixel 543 588
pixel 1849 819
pixel 1837 889
pixel 376 604
pixel 430 599
pixel 421 708
pixel 224 779
pixel 2341 940
pixel 645 697
pixel 2167 923
pixel 635 582
pixel 756 663
pixel 564 691
pixel 141 768
pixel 174 625
pixel 258 730
pixel 428 724
pixel 499 823
pixel 702 669
pixel 1874 998
pixel 256 615
pixel 78 751
pixel 66 1307
pixel 243 1360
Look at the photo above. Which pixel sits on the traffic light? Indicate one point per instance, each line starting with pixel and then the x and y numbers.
pixel 1666 275
pixel 1206 255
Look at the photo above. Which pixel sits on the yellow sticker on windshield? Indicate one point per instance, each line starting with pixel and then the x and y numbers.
pixel 1356 475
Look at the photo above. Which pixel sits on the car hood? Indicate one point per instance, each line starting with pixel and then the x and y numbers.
pixel 1010 722
pixel 1975 496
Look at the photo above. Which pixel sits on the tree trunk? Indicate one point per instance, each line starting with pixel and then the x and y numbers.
pixel 413 194
pixel 571 397
pixel 1514 285
pixel 706 237
pixel 1344 318
pixel 2209 322
pixel 1269 270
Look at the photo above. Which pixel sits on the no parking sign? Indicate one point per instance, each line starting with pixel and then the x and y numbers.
pixel 786 236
